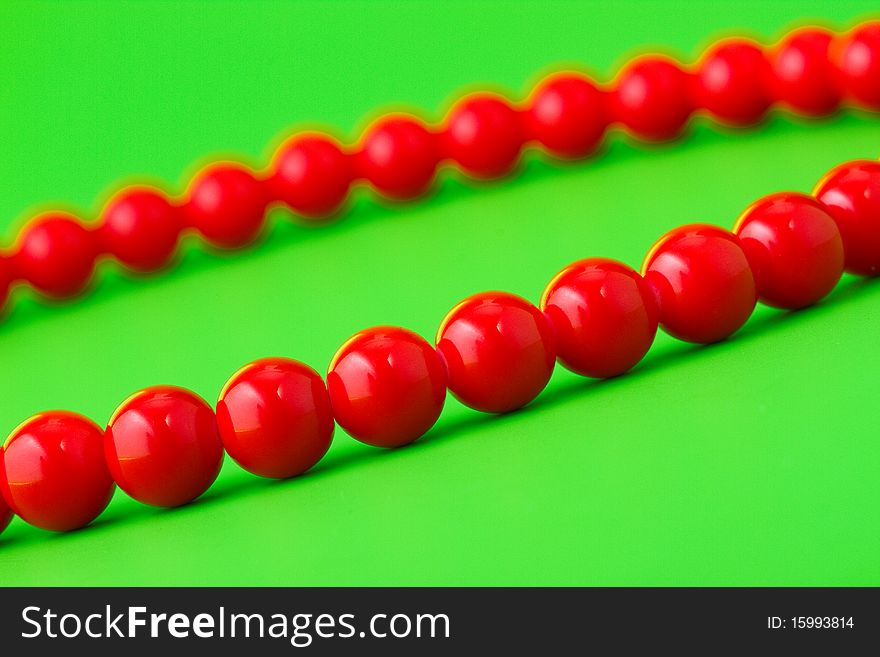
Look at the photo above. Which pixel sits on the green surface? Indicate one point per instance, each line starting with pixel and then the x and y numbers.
pixel 754 461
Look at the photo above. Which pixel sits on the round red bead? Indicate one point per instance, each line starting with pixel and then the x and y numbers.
pixel 311 175
pixel 6 278
pixel 56 254
pixel 5 512
pixel 802 75
pixel 140 227
pixel 163 447
pixel 387 386
pixel 704 283
pixel 499 351
pixel 567 115
pixel 605 316
pixel 52 471
pixel 651 98
pixel 274 417
pixel 856 56
pixel 399 157
pixel 795 247
pixel 484 135
pixel 851 195
pixel 226 204
pixel 731 82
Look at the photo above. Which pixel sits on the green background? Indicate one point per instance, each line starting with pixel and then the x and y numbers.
pixel 752 462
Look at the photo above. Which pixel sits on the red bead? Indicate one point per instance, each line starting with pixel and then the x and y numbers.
pixel 311 175
pixel 567 115
pixel 795 247
pixel 140 227
pixel 399 157
pixel 163 447
pixel 227 205
pixel 484 135
pixel 5 512
pixel 605 316
pixel 731 82
pixel 52 471
pixel 387 386
pixel 6 278
pixel 274 417
pixel 499 351
pixel 857 58
pixel 802 75
pixel 704 282
pixel 851 195
pixel 56 254
pixel 652 98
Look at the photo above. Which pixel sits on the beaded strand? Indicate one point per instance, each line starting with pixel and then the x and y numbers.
pixel 494 351
pixel 811 71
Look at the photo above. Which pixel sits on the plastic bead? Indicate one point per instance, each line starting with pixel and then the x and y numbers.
pixel 5 512
pixel 52 471
pixel 399 157
pixel 226 204
pixel 387 386
pixel 704 283
pixel 56 254
pixel 731 82
pixel 6 278
pixel 605 316
pixel 851 194
pixel 163 447
pixel 140 228
pixel 311 175
pixel 567 116
pixel 484 135
pixel 499 351
pixel 795 247
pixel 651 98
pixel 274 417
pixel 857 59
pixel 803 77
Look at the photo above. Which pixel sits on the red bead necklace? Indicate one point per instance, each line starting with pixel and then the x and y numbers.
pixel 811 71
pixel 494 351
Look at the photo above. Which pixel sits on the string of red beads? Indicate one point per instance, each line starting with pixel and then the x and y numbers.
pixel 811 71
pixel 386 386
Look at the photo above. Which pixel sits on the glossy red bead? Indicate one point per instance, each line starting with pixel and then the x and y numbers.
pixel 604 314
pixel 53 473
pixel 274 417
pixel 5 512
pixel 399 157
pixel 704 283
pixel 499 351
pixel 794 246
pixel 163 447
pixel 851 195
pixel 484 135
pixel 387 386
pixel 731 82
pixel 140 227
pixel 56 255
pixel 652 98
pixel 802 75
pixel 567 115
pixel 6 279
pixel 226 204
pixel 311 175
pixel 856 57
